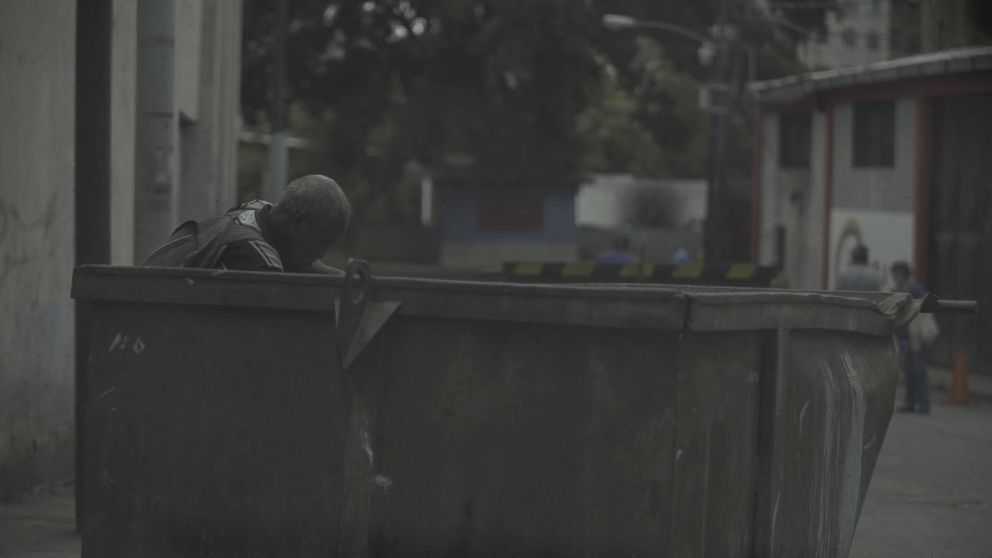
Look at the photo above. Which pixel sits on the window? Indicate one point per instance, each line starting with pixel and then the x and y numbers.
pixel 511 213
pixel 874 134
pixel 794 139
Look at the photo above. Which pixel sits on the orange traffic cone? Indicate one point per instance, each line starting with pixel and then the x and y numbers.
pixel 959 393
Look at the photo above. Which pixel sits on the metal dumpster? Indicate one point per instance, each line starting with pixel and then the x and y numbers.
pixel 245 414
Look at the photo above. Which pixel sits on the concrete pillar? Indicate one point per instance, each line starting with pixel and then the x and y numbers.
pixel 210 138
pixel 124 68
pixel 278 151
pixel 157 152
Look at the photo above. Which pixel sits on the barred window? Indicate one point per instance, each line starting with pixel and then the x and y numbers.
pixel 794 139
pixel 874 134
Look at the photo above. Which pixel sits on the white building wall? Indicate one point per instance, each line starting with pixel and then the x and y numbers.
pixel 771 213
pixel 887 188
pixel 877 203
pixel 793 199
pixel 815 214
pixel 37 96
pixel 602 201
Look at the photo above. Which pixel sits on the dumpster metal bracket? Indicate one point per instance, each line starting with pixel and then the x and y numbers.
pixel 357 315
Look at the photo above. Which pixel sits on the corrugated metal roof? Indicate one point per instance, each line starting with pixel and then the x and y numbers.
pixel 924 65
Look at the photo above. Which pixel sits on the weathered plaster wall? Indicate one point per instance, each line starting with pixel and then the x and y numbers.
pixel 37 74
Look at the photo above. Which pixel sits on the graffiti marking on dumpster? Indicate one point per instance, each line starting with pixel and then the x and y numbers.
pixel 122 342
pixel 367 446
pixel 383 482
pixel 802 415
pixel 117 342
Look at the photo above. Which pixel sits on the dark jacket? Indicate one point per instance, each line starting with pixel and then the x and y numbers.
pixel 231 241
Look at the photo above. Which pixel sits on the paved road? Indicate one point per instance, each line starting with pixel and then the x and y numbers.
pixel 931 495
pixel 39 525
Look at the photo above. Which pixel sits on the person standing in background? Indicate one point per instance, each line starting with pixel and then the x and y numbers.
pixel 620 254
pixel 859 276
pixel 912 355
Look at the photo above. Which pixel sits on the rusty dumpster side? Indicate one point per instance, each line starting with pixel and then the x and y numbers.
pixel 242 414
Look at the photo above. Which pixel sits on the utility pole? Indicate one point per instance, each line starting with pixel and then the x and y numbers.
pixel 278 155
pixel 712 234
pixel 94 41
pixel 715 98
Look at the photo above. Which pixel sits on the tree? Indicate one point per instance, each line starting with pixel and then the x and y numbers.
pixel 505 88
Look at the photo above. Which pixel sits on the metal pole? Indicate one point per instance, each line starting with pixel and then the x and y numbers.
pixel 712 239
pixel 157 153
pixel 94 26
pixel 278 155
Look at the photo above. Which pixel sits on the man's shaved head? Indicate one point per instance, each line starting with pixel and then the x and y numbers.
pixel 311 216
pixel 319 201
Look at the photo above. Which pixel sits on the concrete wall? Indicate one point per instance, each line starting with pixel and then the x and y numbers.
pixel 602 201
pixel 861 19
pixel 124 67
pixel 876 203
pixel 813 273
pixel 955 23
pixel 209 163
pixel 37 214
pixel 37 73
pixel 881 188
pixel 188 93
pixel 873 205
pixel 189 39
pixel 793 199
pixel 464 243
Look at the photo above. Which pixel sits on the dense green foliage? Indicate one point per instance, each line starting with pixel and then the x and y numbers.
pixel 515 88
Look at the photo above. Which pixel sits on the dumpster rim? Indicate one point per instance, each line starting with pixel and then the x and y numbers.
pixel 695 308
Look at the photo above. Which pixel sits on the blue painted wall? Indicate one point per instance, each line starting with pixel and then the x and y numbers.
pixel 459 216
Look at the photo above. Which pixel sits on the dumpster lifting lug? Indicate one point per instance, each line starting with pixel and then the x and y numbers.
pixel 357 315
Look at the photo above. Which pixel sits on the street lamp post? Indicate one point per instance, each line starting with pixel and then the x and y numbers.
pixel 710 47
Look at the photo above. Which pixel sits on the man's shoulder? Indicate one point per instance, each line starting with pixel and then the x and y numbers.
pixel 248 218
pixel 250 205
pixel 247 248
pixel 247 215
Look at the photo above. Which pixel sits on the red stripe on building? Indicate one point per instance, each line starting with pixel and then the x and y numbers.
pixel 757 186
pixel 921 193
pixel 828 195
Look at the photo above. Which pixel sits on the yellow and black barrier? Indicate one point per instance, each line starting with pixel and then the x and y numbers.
pixel 734 274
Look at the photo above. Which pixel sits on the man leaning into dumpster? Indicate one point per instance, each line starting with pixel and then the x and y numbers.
pixel 291 235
